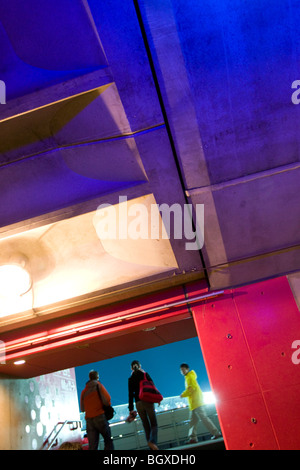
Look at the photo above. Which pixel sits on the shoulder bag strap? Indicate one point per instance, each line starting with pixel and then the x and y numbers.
pixel 102 397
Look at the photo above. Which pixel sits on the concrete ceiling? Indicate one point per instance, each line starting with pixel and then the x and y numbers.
pixel 159 102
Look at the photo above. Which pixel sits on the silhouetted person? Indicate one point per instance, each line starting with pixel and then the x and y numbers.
pixel 92 399
pixel 195 399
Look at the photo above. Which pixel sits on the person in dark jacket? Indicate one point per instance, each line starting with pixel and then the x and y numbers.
pixel 92 399
pixel 145 410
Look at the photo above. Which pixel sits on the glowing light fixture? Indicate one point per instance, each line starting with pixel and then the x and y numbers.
pixel 20 362
pixel 15 281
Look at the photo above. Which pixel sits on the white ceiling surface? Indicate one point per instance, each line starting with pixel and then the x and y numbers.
pixel 68 259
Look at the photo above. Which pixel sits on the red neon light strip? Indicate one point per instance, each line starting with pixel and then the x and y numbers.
pixel 67 330
pixel 51 346
pixel 65 342
pixel 87 325
pixel 77 327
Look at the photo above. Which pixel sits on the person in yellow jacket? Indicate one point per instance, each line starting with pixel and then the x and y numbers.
pixel 195 399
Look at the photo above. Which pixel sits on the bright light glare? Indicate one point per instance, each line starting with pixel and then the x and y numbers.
pixel 209 398
pixel 15 290
pixel 14 281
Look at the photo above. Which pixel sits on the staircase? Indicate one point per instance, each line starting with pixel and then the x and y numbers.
pixel 51 440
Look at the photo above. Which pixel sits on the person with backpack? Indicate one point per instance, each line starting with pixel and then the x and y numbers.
pixel 144 408
pixel 93 398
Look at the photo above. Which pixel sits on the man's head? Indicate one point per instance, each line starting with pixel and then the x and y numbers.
pixel 184 368
pixel 135 365
pixel 93 375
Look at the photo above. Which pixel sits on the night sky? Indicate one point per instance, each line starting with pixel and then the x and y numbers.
pixel 162 363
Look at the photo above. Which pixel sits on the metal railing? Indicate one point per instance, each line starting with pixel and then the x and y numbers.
pixel 173 427
pixel 172 430
pixel 51 440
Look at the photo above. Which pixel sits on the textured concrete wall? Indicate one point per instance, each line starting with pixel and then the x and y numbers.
pixel 30 409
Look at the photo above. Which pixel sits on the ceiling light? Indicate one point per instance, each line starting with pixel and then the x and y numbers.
pixel 14 280
pixel 18 363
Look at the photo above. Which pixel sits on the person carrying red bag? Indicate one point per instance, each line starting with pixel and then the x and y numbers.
pixel 144 408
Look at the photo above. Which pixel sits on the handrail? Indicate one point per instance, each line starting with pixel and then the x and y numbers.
pixel 172 429
pixel 62 425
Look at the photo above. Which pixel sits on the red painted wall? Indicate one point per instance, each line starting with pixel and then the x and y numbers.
pixel 246 338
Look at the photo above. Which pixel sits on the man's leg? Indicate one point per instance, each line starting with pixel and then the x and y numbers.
pixel 192 434
pixel 144 418
pixel 149 407
pixel 92 434
pixel 207 421
pixel 101 423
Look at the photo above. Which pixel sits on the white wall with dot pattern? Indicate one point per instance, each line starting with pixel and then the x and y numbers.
pixel 30 408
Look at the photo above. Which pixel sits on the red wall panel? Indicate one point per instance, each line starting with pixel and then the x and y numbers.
pixel 225 350
pixel 284 408
pixel 246 340
pixel 271 321
pixel 246 424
